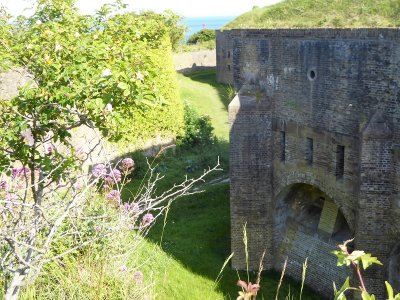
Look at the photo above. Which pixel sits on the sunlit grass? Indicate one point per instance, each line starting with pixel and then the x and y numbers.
pixel 208 97
pixel 322 14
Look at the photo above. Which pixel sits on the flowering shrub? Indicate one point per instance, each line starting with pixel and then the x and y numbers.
pixel 109 72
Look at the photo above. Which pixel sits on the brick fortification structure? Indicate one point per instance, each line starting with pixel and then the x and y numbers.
pixel 315 149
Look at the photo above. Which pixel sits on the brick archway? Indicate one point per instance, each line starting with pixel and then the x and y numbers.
pixel 285 181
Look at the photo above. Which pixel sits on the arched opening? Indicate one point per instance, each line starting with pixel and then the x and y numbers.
pixel 394 268
pixel 309 225
pixel 312 212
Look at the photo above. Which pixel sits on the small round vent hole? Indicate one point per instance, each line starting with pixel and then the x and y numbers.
pixel 312 75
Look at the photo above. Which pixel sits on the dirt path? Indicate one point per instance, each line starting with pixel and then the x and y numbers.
pixel 195 60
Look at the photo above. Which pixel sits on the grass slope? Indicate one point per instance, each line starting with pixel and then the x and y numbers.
pixel 208 98
pixel 197 235
pixel 322 14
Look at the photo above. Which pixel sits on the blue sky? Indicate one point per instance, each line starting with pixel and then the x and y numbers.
pixel 187 8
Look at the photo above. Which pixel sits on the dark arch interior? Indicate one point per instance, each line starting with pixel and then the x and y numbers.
pixel 302 206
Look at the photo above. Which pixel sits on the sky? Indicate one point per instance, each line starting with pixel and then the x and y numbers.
pixel 186 8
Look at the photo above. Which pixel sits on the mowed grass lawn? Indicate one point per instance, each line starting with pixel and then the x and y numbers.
pixel 208 98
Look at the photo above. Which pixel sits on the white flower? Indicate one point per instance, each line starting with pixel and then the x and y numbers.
pixel 139 76
pixel 38 22
pixel 106 73
pixel 28 137
pixel 77 34
pixel 57 47
pixel 109 108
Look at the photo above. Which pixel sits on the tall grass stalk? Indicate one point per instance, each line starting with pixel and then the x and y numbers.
pixel 165 220
pixel 281 279
pixel 260 268
pixel 222 269
pixel 303 276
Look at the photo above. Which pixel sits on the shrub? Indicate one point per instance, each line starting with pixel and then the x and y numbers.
pixel 198 130
pixel 201 36
pixel 110 72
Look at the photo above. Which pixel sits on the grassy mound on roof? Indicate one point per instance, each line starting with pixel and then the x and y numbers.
pixel 322 14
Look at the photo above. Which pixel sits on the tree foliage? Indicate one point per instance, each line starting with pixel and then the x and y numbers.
pixel 204 35
pixel 111 72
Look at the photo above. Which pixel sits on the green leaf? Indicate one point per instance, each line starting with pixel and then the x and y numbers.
pixel 342 258
pixel 339 295
pixel 356 255
pixel 127 92
pixel 368 260
pixel 123 86
pixel 389 290
pixel 366 296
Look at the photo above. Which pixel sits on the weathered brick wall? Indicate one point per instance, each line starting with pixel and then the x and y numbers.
pixel 224 56
pixel 321 88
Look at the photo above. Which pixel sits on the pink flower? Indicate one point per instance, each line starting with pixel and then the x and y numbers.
pixel 126 207
pixel 127 163
pixel 249 290
pixel 114 195
pixel 116 175
pixel 123 269
pixel 138 277
pixel 97 228
pixel 48 149
pixel 28 137
pixel 109 181
pixel 11 197
pixel 77 186
pixel 19 171
pixel 147 219
pixel 3 185
pixel 99 170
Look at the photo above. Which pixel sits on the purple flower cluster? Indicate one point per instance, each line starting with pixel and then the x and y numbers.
pixel 99 171
pixel 114 195
pixel 77 186
pixel 127 163
pixel 114 176
pixel 11 197
pixel 132 208
pixel 147 219
pixel 48 149
pixel 138 277
pixel 3 185
pixel 19 171
pixel 123 269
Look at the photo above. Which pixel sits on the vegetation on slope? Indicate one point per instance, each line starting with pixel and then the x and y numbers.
pixel 322 14
pixel 207 97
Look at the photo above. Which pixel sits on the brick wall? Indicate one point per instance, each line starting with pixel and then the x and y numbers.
pixel 329 88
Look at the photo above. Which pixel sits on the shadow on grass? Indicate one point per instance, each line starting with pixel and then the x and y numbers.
pixel 197 233
pixel 209 77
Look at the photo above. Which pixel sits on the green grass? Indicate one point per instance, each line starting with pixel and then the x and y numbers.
pixel 208 97
pixel 322 14
pixel 208 45
pixel 197 235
